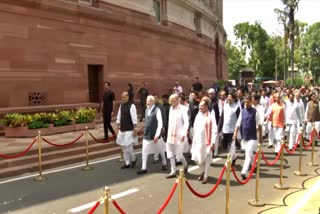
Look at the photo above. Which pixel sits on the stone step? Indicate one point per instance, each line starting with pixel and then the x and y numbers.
pixel 53 154
pixel 58 160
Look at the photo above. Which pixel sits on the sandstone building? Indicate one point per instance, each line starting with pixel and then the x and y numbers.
pixel 61 51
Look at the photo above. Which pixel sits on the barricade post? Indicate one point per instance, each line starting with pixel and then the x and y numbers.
pixel 181 181
pixel 40 177
pixel 228 184
pixel 106 198
pixel 300 173
pixel 87 167
pixel 256 202
pixel 312 163
pixel 281 186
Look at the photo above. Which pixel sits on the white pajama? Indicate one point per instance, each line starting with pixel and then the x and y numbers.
pixel 250 147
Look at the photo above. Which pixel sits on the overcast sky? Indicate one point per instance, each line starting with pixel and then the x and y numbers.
pixel 237 11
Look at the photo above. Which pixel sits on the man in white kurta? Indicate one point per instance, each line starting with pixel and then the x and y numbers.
pixel 127 133
pixel 260 109
pixel 204 139
pixel 177 134
pixel 152 142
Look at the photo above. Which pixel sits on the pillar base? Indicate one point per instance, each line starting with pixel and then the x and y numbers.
pixel 87 168
pixel 298 173
pixel 281 187
pixel 255 203
pixel 40 178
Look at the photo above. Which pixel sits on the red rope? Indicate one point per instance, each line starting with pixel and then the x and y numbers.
pixel 91 211
pixel 212 190
pixel 165 204
pixel 251 172
pixel 99 141
pixel 293 149
pixel 19 154
pixel 310 141
pixel 274 161
pixel 118 207
pixel 62 145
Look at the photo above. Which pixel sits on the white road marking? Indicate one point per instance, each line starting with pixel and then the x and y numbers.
pixel 301 203
pixel 58 170
pixel 91 204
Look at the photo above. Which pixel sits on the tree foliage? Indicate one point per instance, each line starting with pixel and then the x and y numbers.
pixel 257 44
pixel 235 60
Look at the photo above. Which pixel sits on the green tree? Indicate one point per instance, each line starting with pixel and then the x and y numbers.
pixel 255 40
pixel 235 60
pixel 311 50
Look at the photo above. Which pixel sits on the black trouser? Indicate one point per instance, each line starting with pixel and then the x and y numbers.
pixel 143 110
pixel 107 124
pixel 226 141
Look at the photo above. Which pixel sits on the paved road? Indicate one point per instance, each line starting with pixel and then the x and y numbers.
pixel 66 190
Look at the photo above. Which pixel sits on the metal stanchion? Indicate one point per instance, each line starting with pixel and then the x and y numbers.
pixel 181 180
pixel 312 163
pixel 106 196
pixel 256 202
pixel 40 177
pixel 281 185
pixel 228 184
pixel 300 173
pixel 87 167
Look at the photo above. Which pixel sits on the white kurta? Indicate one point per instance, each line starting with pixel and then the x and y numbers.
pixel 148 146
pixel 200 148
pixel 177 128
pixel 127 138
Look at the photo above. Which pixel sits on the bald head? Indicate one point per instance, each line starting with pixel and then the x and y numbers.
pixel 174 100
pixel 150 101
pixel 125 97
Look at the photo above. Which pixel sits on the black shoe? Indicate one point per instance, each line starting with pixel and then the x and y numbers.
pixel 200 178
pixel 164 168
pixel 276 154
pixel 125 166
pixel 171 176
pixel 142 171
pixel 234 161
pixel 133 163
pixel 243 176
pixel 270 146
pixel 178 163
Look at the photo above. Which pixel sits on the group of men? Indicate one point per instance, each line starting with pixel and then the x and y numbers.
pixel 209 121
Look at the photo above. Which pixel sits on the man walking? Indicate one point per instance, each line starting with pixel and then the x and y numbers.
pixel 249 122
pixel 152 134
pixel 127 130
pixel 292 119
pixel 204 139
pixel 107 110
pixel 177 134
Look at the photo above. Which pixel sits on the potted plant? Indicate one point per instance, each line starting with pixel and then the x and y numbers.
pixel 62 121
pixel 16 124
pixel 84 117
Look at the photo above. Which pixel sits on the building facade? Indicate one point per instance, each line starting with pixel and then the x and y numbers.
pixel 62 51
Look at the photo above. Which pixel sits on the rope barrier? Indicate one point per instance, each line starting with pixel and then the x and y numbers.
pixel 62 145
pixel 91 211
pixel 250 174
pixel 19 154
pixel 211 191
pixel 165 204
pixel 294 147
pixel 312 134
pixel 274 161
pixel 118 207
pixel 99 141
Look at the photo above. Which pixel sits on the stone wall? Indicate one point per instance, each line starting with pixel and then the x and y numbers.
pixel 47 45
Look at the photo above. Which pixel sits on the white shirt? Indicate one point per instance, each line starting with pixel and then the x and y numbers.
pixel 177 89
pixel 264 101
pixel 301 109
pixel 133 113
pixel 292 112
pixel 178 124
pixel 229 117
pixel 260 111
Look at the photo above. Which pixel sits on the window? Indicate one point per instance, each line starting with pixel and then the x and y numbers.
pixel 88 2
pixel 197 22
pixel 160 10
pixel 157 10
